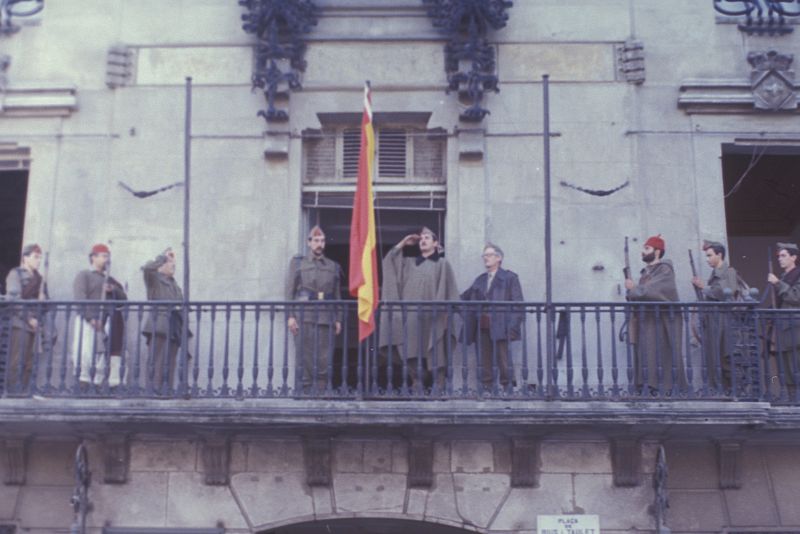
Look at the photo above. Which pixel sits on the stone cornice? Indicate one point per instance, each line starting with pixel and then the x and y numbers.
pixel 38 100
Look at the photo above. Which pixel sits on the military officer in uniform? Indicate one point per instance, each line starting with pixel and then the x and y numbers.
pixel 314 277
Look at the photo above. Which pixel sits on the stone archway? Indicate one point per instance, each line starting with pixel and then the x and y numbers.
pixel 366 526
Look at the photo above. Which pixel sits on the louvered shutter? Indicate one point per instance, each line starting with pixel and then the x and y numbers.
pixel 429 155
pixel 319 147
pixel 351 143
pixel 392 153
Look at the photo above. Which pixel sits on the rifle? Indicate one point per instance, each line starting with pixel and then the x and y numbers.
pixel 627 270
pixel 771 288
pixel 697 291
pixel 48 334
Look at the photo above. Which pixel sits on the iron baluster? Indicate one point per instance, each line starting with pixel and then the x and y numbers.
pixel 285 365
pixel 615 389
pixel 464 356
pixel 254 389
pixel 600 370
pixel 240 364
pixel 211 352
pixel 687 334
pixel 196 365
pixel 271 354
pixel 584 359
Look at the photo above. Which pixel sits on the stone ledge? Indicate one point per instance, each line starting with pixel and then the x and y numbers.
pixel 288 414
pixel 38 100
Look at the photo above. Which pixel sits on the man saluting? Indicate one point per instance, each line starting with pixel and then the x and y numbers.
pixel 418 336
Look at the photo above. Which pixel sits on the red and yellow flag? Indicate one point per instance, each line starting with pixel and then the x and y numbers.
pixel 363 260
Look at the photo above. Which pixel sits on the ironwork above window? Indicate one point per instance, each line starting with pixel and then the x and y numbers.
pixel 279 26
pixel 17 8
pixel 761 16
pixel 466 24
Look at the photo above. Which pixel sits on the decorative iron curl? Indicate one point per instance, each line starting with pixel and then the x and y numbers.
pixel 596 192
pixel 80 497
pixel 467 23
pixel 761 16
pixel 279 26
pixel 25 8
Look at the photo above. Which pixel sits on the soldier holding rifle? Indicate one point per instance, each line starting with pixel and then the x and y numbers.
pixel 787 329
pixel 722 285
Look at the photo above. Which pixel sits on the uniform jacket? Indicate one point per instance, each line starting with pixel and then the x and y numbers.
pixel 22 284
pixel 788 298
pixel 88 285
pixel 312 279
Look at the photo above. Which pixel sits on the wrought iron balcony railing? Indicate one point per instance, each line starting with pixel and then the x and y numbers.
pixel 444 350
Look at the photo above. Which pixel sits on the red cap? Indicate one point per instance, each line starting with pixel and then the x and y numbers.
pixel 100 248
pixel 656 242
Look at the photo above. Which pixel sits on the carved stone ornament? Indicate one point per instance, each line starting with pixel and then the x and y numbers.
pixel 626 462
pixel 420 463
pixel 772 81
pixel 116 459
pixel 730 464
pixel 216 461
pixel 16 455
pixel 524 463
pixel 318 461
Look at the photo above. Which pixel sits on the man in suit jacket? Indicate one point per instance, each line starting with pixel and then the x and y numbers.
pixel 493 328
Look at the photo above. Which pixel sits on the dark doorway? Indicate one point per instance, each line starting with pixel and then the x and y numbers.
pixel 13 194
pixel 367 526
pixel 392 225
pixel 762 204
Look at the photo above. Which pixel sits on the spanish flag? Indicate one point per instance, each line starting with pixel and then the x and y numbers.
pixel 363 261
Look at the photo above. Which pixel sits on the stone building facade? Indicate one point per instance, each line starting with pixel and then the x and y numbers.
pixel 666 118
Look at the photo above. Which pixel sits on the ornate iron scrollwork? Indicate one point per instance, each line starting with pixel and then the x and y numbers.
pixel 661 502
pixel 279 26
pixel 17 8
pixel 761 16
pixel 466 23
pixel 80 497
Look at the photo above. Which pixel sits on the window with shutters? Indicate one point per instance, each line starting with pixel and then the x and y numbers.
pixel 404 154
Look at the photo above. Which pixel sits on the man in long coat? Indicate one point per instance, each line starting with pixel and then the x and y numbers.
pixel 23 283
pixel 417 338
pixel 494 328
pixel 656 331
pixel 722 285
pixel 786 345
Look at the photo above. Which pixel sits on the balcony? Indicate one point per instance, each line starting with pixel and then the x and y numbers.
pixel 243 350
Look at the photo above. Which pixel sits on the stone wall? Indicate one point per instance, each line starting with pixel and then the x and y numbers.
pixel 471 486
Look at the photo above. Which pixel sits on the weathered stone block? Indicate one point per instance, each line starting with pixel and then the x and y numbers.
pixel 163 456
pixel 502 456
pixel 191 502
pixel 519 511
pixel 323 503
pixel 267 499
pixel 230 65
pixel 144 495
pixel 784 470
pixel 730 464
pixel 472 457
pixel 618 508
pixel 478 496
pixel 52 463
pixel 441 503
pixel 415 502
pixel 400 457
pixel 8 501
pixel 753 504
pixel 365 493
pixel 44 507
pixel 348 456
pixel 579 62
pixel 378 456
pixel 692 466
pixel 14 461
pixel 575 457
pixel 275 456
pixel 696 511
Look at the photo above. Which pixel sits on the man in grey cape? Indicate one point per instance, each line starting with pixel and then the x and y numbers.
pixel 722 285
pixel 656 331
pixel 417 339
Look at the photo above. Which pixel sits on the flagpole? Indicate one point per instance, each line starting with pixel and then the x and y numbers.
pixel 548 260
pixel 187 168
